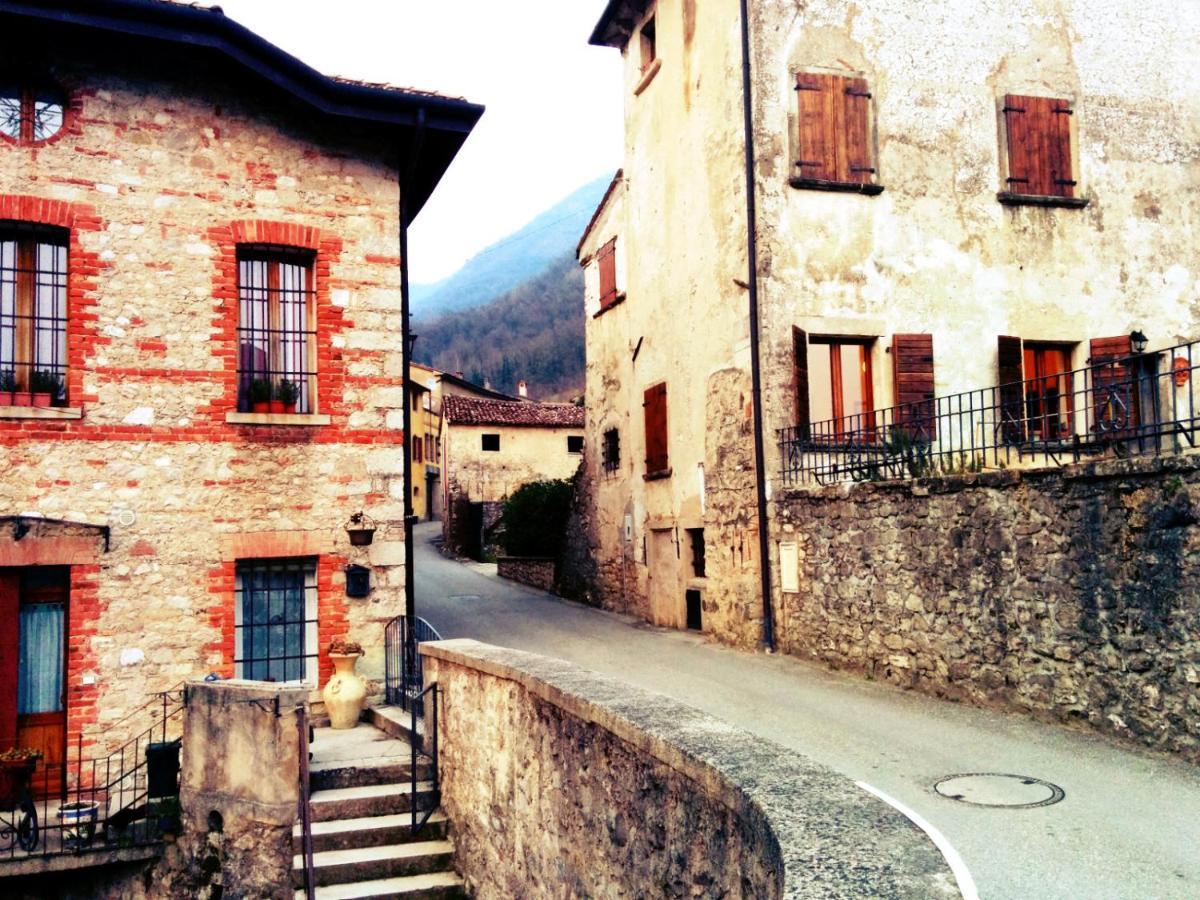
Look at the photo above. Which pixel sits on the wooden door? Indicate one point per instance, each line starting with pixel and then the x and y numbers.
pixel 41 676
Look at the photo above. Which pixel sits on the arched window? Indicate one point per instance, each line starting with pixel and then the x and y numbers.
pixel 31 112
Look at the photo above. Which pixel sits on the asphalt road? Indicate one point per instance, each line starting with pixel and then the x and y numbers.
pixel 1129 826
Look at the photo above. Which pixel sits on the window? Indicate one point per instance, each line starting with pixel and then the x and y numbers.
pixel 606 260
pixel 834 149
pixel 429 449
pixel 417 447
pixel 574 443
pixel 612 450
pixel 33 315
pixel 1039 145
pixel 275 619
pixel 491 443
pixel 655 407
pixel 416 401
pixel 276 331
pixel 696 539
pixel 31 113
pixel 1036 394
pixel 649 43
pixel 840 395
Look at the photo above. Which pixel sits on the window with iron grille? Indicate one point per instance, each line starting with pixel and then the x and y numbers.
pixel 612 450
pixel 31 113
pixel 275 620
pixel 491 443
pixel 277 352
pixel 696 538
pixel 33 315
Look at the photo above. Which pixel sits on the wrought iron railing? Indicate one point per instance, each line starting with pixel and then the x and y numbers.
pixel 1141 404
pixel 428 742
pixel 304 738
pixel 404 676
pixel 126 798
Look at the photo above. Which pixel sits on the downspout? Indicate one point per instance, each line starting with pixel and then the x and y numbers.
pixel 760 466
pixel 406 342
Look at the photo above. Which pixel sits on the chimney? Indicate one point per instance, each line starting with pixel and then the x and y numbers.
pixel 487 384
pixel 458 374
pixel 522 390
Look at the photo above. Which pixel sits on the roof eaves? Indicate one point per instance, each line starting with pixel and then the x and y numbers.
pixel 612 187
pixel 617 23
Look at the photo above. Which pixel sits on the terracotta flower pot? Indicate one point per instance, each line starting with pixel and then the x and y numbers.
pixel 16 398
pixel 278 406
pixel 43 400
pixel 263 406
pixel 345 693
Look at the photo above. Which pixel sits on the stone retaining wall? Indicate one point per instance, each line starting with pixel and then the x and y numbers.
pixel 1072 593
pixel 536 572
pixel 564 783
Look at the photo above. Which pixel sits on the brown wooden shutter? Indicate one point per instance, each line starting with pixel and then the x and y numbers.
pixel 1039 146
pixel 1010 357
pixel 10 648
pixel 655 404
pixel 820 106
pixel 607 260
pixel 912 366
pixel 856 164
pixel 1058 139
pixel 800 382
pixel 1114 400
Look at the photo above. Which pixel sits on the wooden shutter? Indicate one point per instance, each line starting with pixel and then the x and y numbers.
pixel 10 648
pixel 1039 146
pixel 819 107
pixel 1114 400
pixel 607 260
pixel 1010 357
pixel 655 404
pixel 912 366
pixel 800 383
pixel 856 165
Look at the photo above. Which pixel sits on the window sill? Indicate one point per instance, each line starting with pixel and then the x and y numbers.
pixel 657 476
pixel 1010 199
pixel 846 187
pixel 603 309
pixel 41 412
pixel 647 77
pixel 310 421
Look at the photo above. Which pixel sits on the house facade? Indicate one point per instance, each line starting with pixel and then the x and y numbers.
pixel 200 355
pixel 939 210
pixel 491 448
pixel 426 443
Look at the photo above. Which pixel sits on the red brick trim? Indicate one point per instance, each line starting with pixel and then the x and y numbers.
pixel 83 614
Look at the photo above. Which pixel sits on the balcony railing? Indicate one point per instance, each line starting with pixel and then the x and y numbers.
pixel 1137 405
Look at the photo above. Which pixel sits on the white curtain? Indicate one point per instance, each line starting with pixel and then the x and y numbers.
pixel 40 683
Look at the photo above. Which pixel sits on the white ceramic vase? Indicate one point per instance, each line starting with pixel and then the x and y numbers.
pixel 345 692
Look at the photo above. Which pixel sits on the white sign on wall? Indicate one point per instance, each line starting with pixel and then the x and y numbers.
pixel 789 567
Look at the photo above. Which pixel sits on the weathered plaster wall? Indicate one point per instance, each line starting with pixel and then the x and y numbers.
pixel 1073 594
pixel 165 175
pixel 564 783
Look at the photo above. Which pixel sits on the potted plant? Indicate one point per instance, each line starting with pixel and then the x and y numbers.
pixel 9 395
pixel 16 769
pixel 345 693
pixel 260 395
pixel 287 395
pixel 45 387
pixel 361 529
pixel 168 814
pixel 78 820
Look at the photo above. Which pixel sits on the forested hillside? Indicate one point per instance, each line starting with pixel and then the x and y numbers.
pixel 532 333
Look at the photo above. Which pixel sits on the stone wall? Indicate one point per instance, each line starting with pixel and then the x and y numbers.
pixel 563 783
pixel 1071 593
pixel 536 572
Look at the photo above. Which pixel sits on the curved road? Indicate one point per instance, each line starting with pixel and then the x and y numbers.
pixel 1129 826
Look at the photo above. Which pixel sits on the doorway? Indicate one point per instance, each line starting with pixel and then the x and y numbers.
pixel 34 606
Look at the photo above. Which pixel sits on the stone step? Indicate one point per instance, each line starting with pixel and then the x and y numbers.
pixel 396 722
pixel 435 886
pixel 383 770
pixel 372 831
pixel 371 800
pixel 335 867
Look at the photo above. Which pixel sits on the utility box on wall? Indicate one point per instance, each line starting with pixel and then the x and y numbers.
pixel 358 581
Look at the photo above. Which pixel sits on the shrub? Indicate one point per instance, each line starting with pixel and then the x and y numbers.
pixel 534 519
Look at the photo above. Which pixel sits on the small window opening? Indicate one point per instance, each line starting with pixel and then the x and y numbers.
pixel 491 443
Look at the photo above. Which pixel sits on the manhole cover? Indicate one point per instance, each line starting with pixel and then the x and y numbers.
pixel 999 790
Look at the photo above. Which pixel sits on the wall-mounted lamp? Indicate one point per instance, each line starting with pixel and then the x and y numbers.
pixel 1138 341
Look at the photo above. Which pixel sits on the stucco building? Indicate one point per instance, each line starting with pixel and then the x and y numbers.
pixel 200 291
pixel 491 448
pixel 975 196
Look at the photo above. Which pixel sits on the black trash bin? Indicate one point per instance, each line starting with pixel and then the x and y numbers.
pixel 162 768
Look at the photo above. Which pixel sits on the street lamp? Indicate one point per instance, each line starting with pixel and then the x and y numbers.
pixel 1138 341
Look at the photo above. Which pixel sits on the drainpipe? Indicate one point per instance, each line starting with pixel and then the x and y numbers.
pixel 760 466
pixel 410 596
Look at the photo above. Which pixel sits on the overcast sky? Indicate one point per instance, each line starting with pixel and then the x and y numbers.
pixel 553 119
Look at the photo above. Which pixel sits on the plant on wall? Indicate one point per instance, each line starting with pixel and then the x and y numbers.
pixel 534 519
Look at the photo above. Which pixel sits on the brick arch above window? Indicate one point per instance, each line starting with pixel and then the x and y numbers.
pixel 29 89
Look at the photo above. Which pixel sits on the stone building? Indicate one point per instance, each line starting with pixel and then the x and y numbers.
pixel 981 195
pixel 491 448
pixel 200 333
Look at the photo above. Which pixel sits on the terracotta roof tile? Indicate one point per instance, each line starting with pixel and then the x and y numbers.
pixel 470 411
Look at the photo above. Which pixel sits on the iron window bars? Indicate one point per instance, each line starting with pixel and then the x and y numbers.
pixel 31 113
pixel 276 331
pixel 275 620
pixel 1141 404
pixel 33 315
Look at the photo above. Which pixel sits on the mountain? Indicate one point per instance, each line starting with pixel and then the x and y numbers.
pixel 533 333
pixel 513 260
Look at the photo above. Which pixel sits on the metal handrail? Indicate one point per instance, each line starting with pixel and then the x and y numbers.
pixel 306 837
pixel 404 682
pixel 431 735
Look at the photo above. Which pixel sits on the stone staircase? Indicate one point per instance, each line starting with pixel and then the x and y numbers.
pixel 361 802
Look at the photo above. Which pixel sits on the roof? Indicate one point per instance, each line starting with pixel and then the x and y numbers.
pixel 514 413
pixel 476 389
pixel 612 187
pixel 401 117
pixel 617 23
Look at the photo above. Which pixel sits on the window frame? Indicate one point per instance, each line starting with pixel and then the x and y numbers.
pixel 310 650
pixel 866 343
pixel 28 240
pixel 699 552
pixel 834 84
pixel 34 92
pixel 575 439
pixel 611 457
pixel 1071 194
pixel 649 62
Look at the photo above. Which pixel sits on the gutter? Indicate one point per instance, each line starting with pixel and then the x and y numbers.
pixel 760 467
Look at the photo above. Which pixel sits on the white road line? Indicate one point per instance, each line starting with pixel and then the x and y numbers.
pixel 966 884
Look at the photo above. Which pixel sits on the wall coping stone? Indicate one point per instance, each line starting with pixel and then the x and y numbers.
pixel 835 839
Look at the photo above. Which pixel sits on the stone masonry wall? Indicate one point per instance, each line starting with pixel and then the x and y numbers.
pixel 1070 593
pixel 535 572
pixel 563 783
